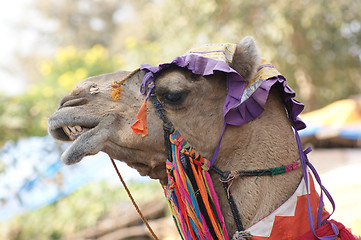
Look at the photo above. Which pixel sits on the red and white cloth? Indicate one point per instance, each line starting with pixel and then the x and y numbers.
pixel 290 220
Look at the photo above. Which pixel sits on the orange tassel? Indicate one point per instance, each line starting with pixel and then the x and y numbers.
pixel 140 126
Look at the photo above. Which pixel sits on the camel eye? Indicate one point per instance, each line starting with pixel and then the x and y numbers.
pixel 174 98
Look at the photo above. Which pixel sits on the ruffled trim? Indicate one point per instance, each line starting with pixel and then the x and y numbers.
pixel 234 113
pixel 253 107
pixel 201 66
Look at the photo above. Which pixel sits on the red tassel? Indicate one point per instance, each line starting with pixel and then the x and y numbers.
pixel 344 233
pixel 140 126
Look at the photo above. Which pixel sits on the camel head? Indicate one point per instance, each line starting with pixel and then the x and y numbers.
pixel 200 97
pixel 93 121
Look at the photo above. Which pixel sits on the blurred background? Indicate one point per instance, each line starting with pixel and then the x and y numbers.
pixel 47 46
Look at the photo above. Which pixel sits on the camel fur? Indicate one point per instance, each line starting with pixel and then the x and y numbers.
pixel 193 104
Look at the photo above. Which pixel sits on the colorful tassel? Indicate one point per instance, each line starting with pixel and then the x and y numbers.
pixel 191 195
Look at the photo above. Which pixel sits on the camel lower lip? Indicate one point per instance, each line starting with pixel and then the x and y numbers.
pixel 77 151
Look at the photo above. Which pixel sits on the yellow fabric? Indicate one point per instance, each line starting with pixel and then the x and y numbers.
pixel 222 52
pixel 264 73
pixel 336 114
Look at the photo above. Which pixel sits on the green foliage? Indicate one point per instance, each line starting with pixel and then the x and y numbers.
pixel 26 114
pixel 96 19
pixel 315 44
pixel 75 212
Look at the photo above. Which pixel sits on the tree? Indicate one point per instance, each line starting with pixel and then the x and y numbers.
pixel 81 23
pixel 315 44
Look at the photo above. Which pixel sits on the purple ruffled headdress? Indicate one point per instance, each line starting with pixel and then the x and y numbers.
pixel 238 107
pixel 244 101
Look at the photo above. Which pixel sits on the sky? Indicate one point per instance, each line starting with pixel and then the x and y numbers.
pixel 13 13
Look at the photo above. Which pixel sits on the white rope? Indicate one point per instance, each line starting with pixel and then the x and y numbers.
pixel 242 235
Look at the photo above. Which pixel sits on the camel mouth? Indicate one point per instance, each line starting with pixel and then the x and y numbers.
pixel 69 131
pixel 87 136
pixel 76 135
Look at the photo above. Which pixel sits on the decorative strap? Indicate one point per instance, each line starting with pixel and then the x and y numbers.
pixel 168 128
pixel 305 163
pixel 227 177
pixel 233 206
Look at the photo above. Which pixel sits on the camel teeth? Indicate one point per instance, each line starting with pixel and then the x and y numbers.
pixel 66 130
pixel 72 129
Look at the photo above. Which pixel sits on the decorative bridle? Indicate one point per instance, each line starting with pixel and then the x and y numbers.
pixel 226 177
pixel 190 191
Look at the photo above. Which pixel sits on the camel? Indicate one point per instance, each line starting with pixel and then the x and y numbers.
pixel 98 116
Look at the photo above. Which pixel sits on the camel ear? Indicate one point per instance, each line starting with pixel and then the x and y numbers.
pixel 246 58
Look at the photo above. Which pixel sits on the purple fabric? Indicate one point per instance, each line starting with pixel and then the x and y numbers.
pixel 215 153
pixel 265 65
pixel 205 67
pixel 304 164
pixel 254 105
pixel 233 112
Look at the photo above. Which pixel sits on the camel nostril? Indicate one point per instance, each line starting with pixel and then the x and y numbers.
pixel 72 102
